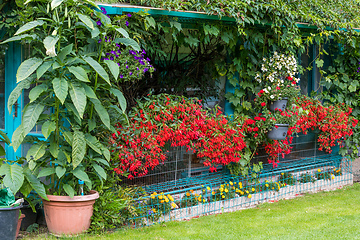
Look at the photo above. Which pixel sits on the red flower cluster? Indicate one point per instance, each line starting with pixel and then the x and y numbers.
pixel 333 122
pixel 165 119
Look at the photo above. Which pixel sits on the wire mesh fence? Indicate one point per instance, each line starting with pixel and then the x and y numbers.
pixel 182 188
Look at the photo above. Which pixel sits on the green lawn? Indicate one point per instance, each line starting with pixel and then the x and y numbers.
pixel 325 215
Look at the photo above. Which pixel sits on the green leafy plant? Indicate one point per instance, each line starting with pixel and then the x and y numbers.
pixel 287 178
pixel 323 175
pixel 73 84
pixel 306 177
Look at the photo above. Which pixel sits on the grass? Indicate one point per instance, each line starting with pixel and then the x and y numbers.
pixel 325 215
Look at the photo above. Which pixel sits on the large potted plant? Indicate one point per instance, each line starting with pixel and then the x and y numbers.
pixel 72 101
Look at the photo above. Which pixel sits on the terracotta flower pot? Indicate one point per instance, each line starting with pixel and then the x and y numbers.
pixel 19 224
pixel 69 216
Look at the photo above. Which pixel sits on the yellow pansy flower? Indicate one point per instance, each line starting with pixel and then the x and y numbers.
pixel 319 170
pixel 231 183
pixel 249 196
pixel 187 194
pixel 154 193
pixel 160 197
pixel 221 189
pixel 223 196
pixel 266 185
pixel 226 190
pixel 208 188
pixel 253 189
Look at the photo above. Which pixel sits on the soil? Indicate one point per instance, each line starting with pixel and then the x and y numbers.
pixel 356 169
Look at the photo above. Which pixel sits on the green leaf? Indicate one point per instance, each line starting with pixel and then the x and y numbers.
pixel 98 68
pixel 17 38
pixel 68 137
pixel 99 170
pixel 50 41
pixel 92 124
pixel 93 143
pixel 120 97
pixel 47 128
pixel 55 3
pixel 103 114
pixel 64 52
pixel 152 22
pixel 106 153
pixel 28 26
pixel 54 149
pixel 78 97
pixel 4 137
pixel 177 25
pixel 79 73
pixel 105 20
pixel 15 94
pixel 88 91
pixel 26 188
pixel 30 116
pixel 46 172
pixel 17 137
pixel 69 190
pixel 60 86
pixel 36 151
pixel 128 42
pixel 36 91
pixel 86 20
pixel 27 68
pixel 319 63
pixel 78 148
pixel 60 171
pixel 35 184
pixel 122 32
pixel 14 176
pixel 192 41
pixel 103 161
pixel 80 174
pixel 42 69
pixel 114 68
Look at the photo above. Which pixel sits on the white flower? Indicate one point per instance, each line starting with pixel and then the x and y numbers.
pixel 272 96
pixel 269 88
pixel 51 52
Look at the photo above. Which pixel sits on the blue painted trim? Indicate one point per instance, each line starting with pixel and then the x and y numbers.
pixel 12 62
pixel 228 108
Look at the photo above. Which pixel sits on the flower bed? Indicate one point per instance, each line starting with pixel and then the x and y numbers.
pixel 239 193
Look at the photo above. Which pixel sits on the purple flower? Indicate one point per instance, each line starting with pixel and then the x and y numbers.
pixel 107 54
pixel 130 73
pixel 103 10
pixel 99 41
pixel 143 51
pixel 127 23
pixel 111 58
pixel 145 70
pixel 141 62
pixel 121 76
pixel 113 52
pixel 106 58
pixel 119 51
pixel 127 67
pixel 117 45
pixel 98 23
pixel 137 68
pixel 118 64
pixel 132 52
pixel 129 15
pixel 148 59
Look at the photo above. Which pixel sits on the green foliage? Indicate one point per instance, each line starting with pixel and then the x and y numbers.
pixel 72 80
pixel 306 177
pixel 115 207
pixel 287 178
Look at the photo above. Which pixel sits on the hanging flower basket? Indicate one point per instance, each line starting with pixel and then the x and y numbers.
pixel 279 132
pixel 279 104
